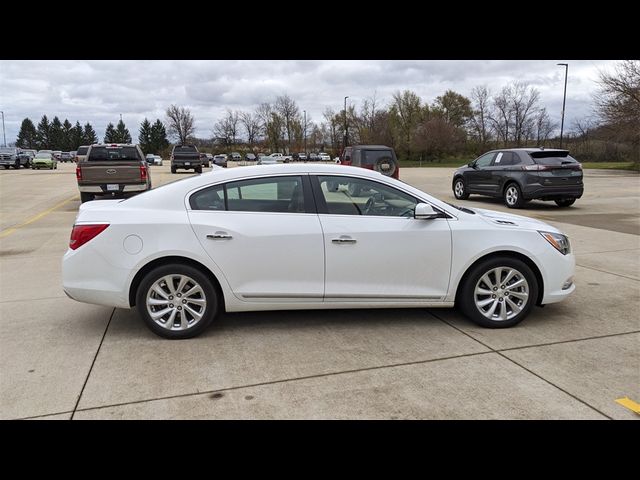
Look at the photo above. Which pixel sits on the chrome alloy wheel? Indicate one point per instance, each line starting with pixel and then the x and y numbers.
pixel 176 302
pixel 512 195
pixel 501 293
pixel 459 188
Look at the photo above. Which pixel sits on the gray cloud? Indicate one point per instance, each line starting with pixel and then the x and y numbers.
pixel 99 91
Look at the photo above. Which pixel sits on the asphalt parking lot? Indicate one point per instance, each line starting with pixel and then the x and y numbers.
pixel 61 359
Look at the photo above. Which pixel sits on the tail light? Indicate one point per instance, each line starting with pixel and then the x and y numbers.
pixel 143 173
pixel 396 174
pixel 540 168
pixel 81 234
pixel 78 173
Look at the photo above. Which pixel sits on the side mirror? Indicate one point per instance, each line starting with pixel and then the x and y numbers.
pixel 424 211
pixel 472 164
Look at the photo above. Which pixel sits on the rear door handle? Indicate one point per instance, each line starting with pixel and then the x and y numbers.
pixel 344 239
pixel 219 236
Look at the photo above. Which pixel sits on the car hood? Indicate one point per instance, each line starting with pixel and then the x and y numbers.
pixel 513 221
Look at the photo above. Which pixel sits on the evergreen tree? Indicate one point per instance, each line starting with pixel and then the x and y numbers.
pixel 67 140
pixel 89 136
pixel 43 134
pixel 28 136
pixel 122 133
pixel 144 138
pixel 158 136
pixel 76 136
pixel 110 134
pixel 55 134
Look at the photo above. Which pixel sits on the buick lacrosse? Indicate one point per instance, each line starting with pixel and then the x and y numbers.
pixel 283 237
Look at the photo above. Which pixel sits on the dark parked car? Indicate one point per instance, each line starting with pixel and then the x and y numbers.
pixel 66 157
pixel 373 157
pixel 250 157
pixel 206 159
pixel 522 174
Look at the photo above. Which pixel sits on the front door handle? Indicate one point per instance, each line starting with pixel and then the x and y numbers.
pixel 344 239
pixel 220 236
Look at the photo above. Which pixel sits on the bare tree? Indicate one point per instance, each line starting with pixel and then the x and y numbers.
pixel 502 115
pixel 618 104
pixel 524 104
pixel 544 127
pixel 233 120
pixel 251 123
pixel 481 113
pixel 181 123
pixel 289 113
pixel 406 111
pixel 332 123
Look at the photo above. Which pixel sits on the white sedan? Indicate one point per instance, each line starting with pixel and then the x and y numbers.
pixel 280 237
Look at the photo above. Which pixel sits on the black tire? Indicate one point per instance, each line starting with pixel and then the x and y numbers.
pixel 33 167
pixel 210 295
pixel 6 167
pixel 198 169
pixel 512 196
pixel 86 197
pixel 466 295
pixel 173 169
pixel 565 202
pixel 460 186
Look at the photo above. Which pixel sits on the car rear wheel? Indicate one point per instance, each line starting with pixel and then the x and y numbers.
pixel 513 196
pixel 198 169
pixel 565 202
pixel 6 167
pixel 86 197
pixel 173 169
pixel 460 189
pixel 499 292
pixel 177 301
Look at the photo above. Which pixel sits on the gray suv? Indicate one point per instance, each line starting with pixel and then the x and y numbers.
pixel 518 175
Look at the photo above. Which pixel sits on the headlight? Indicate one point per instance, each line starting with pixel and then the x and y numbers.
pixel 560 242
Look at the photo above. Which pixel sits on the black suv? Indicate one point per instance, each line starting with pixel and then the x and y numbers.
pixel 522 174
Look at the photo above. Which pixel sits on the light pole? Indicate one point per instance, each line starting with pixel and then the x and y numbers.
pixel 564 98
pixel 346 128
pixel 305 133
pixel 4 135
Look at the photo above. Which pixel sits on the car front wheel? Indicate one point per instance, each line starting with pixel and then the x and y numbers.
pixel 177 301
pixel 513 196
pixel 460 190
pixel 499 292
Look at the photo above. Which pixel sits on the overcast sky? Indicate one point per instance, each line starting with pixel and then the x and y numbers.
pixel 99 91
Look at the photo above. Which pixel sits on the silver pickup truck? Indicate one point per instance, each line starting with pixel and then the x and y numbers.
pixel 13 157
pixel 112 170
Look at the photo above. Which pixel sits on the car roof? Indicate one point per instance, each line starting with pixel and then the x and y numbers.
pixel 528 149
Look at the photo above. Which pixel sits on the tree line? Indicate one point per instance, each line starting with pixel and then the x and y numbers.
pixel 63 136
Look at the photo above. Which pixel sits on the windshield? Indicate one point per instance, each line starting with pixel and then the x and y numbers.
pixel 184 149
pixel 113 154
pixel 371 157
pixel 82 151
pixel 43 155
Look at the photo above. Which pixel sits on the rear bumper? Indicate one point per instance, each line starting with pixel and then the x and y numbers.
pixel 103 188
pixel 552 192
pixel 192 164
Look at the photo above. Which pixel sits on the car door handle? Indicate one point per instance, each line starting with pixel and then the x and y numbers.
pixel 344 239
pixel 219 236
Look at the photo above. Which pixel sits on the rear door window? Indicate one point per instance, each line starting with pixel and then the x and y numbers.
pixel 371 157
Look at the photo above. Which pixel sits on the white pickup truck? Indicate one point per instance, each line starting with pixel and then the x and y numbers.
pixel 280 158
